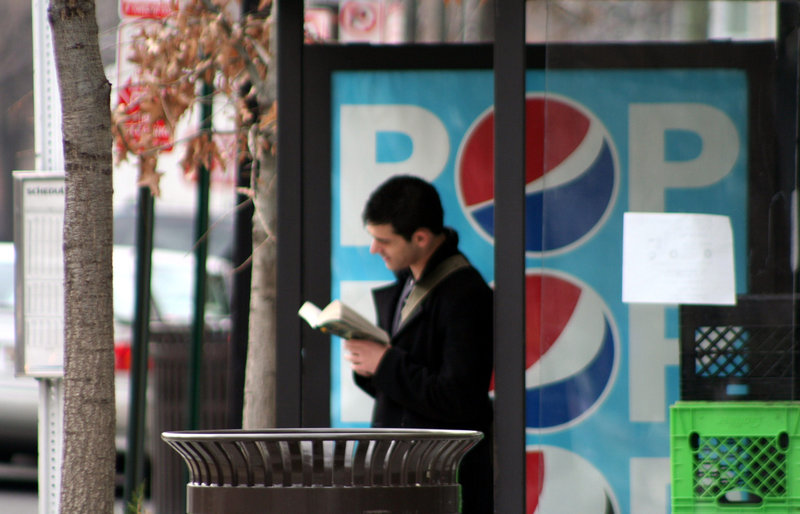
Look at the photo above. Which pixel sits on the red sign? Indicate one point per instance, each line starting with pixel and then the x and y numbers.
pixel 141 133
pixel 147 8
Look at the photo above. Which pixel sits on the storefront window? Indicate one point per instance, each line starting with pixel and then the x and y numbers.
pixel 660 242
pixel 660 278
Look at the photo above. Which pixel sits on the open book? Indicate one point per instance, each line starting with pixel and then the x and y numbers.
pixel 340 320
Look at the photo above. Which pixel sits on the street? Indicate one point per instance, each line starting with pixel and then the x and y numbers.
pixel 18 490
pixel 19 501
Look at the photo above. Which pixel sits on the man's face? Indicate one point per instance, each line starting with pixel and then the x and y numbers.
pixel 396 251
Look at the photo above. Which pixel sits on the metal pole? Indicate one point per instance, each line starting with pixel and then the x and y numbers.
pixel 134 460
pixel 787 48
pixel 289 162
pixel 240 287
pixel 509 254
pixel 49 157
pixel 201 254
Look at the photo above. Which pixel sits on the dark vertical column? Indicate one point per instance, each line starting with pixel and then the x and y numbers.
pixel 240 288
pixel 134 461
pixel 786 87
pixel 509 257
pixel 195 367
pixel 316 265
pixel 289 358
pixel 240 301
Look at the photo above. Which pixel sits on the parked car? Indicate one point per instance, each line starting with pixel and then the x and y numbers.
pixel 172 301
pixel 19 397
pixel 173 229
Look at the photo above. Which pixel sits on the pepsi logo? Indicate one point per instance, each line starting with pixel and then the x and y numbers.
pixel 572 351
pixel 558 480
pixel 571 174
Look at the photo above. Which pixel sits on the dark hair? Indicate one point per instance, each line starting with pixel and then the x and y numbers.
pixel 407 203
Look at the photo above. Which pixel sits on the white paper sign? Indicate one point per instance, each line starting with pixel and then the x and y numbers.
pixel 39 281
pixel 677 258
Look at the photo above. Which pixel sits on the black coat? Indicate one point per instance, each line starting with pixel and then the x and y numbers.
pixel 438 370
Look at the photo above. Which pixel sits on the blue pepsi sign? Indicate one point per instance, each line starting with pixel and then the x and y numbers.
pixel 600 374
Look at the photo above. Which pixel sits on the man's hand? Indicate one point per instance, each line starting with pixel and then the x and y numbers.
pixel 364 356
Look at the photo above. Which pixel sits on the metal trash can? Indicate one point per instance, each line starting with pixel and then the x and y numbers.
pixel 169 350
pixel 323 471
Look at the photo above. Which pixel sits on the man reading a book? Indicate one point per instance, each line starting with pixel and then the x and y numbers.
pixel 436 371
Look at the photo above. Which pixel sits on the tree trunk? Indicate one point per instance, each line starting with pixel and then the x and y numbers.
pixel 89 412
pixel 259 389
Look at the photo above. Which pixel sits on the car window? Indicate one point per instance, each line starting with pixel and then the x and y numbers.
pixel 124 297
pixel 176 232
pixel 217 296
pixel 171 293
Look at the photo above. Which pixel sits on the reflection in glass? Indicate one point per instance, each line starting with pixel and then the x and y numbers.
pixel 397 22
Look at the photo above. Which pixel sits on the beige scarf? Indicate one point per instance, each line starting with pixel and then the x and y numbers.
pixel 426 285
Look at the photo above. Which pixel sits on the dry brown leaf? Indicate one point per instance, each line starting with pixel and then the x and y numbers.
pixel 148 176
pixel 268 120
pixel 172 55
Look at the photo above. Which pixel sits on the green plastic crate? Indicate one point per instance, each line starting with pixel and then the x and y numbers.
pixel 735 457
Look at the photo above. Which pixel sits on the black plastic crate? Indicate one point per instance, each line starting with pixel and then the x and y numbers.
pixel 740 353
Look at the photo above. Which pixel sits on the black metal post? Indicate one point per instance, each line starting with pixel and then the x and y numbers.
pixel 200 255
pixel 788 45
pixel 509 254
pixel 240 287
pixel 134 459
pixel 240 301
pixel 289 157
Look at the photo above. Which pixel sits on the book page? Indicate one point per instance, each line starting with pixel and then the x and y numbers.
pixel 310 312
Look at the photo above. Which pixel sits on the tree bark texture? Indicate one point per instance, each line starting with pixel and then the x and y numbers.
pixel 89 411
pixel 259 389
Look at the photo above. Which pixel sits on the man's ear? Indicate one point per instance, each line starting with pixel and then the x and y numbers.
pixel 422 237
